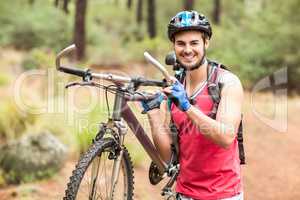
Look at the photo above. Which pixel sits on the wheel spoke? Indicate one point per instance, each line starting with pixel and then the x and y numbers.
pixel 92 177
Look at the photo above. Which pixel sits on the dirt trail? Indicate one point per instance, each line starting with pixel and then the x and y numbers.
pixel 273 160
pixel 53 189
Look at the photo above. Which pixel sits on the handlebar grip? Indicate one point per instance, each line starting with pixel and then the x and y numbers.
pixel 148 82
pixel 74 71
pixel 155 83
pixel 139 97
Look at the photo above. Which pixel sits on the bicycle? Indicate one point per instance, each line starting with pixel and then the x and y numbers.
pixel 107 151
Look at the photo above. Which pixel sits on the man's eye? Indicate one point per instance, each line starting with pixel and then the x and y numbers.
pixel 180 44
pixel 194 43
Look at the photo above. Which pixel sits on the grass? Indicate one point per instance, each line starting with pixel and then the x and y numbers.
pixel 4 79
pixel 13 122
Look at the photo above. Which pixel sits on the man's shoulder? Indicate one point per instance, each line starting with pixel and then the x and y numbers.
pixel 225 76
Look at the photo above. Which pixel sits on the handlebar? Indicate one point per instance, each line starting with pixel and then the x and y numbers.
pixel 140 97
pixel 86 74
pixel 159 66
pixel 69 70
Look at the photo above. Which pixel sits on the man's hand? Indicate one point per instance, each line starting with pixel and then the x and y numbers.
pixel 153 103
pixel 178 95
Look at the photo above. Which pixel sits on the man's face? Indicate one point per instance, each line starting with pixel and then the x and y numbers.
pixel 189 48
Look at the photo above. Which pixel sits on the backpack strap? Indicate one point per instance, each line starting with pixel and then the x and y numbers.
pixel 240 140
pixel 214 90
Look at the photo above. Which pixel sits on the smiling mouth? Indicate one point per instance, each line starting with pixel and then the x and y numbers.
pixel 189 59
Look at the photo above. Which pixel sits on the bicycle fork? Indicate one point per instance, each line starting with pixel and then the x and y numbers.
pixel 115 173
pixel 122 130
pixel 117 156
pixel 114 178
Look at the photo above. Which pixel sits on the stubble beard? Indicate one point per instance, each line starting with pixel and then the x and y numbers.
pixel 196 65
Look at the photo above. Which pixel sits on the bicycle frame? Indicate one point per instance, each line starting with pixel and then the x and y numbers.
pixel 122 110
pixel 143 138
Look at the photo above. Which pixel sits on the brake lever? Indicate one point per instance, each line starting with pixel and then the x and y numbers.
pixel 80 84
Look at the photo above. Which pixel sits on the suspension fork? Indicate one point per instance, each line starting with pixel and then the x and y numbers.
pixel 122 130
pixel 115 173
pixel 114 122
pixel 117 155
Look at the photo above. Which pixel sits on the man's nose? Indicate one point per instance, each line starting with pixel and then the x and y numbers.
pixel 187 49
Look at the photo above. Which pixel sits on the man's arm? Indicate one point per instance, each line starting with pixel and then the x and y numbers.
pixel 222 131
pixel 161 135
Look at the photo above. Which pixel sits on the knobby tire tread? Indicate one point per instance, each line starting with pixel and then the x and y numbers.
pixel 95 149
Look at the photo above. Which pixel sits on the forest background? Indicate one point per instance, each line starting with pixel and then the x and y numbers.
pixel 257 39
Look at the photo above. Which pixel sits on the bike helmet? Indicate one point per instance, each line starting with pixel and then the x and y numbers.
pixel 189 20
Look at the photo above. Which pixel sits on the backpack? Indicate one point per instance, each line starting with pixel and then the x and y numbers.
pixel 214 90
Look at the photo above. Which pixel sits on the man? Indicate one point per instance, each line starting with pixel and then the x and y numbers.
pixel 209 158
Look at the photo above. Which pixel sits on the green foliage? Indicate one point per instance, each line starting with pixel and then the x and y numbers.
pixel 39 59
pixel 255 38
pixel 2 179
pixel 4 79
pixel 137 153
pixel 15 177
pixel 13 122
pixel 84 139
pixel 40 25
pixel 87 126
pixel 255 43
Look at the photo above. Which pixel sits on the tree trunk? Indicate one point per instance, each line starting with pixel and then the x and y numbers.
pixel 217 12
pixel 79 31
pixel 188 4
pixel 56 3
pixel 151 19
pixel 65 6
pixel 129 4
pixel 139 12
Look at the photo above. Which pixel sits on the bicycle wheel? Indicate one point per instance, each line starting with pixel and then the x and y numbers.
pixel 101 157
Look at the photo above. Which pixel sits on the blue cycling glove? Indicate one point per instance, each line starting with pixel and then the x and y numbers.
pixel 152 103
pixel 179 96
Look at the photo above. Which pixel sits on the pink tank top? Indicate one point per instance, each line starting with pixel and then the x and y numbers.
pixel 207 171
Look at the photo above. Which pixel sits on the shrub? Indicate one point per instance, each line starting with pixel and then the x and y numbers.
pixel 13 122
pixel 39 59
pixel 28 26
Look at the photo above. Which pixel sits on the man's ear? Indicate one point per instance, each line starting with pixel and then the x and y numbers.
pixel 206 43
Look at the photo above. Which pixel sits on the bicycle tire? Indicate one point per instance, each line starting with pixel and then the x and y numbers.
pixel 97 148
